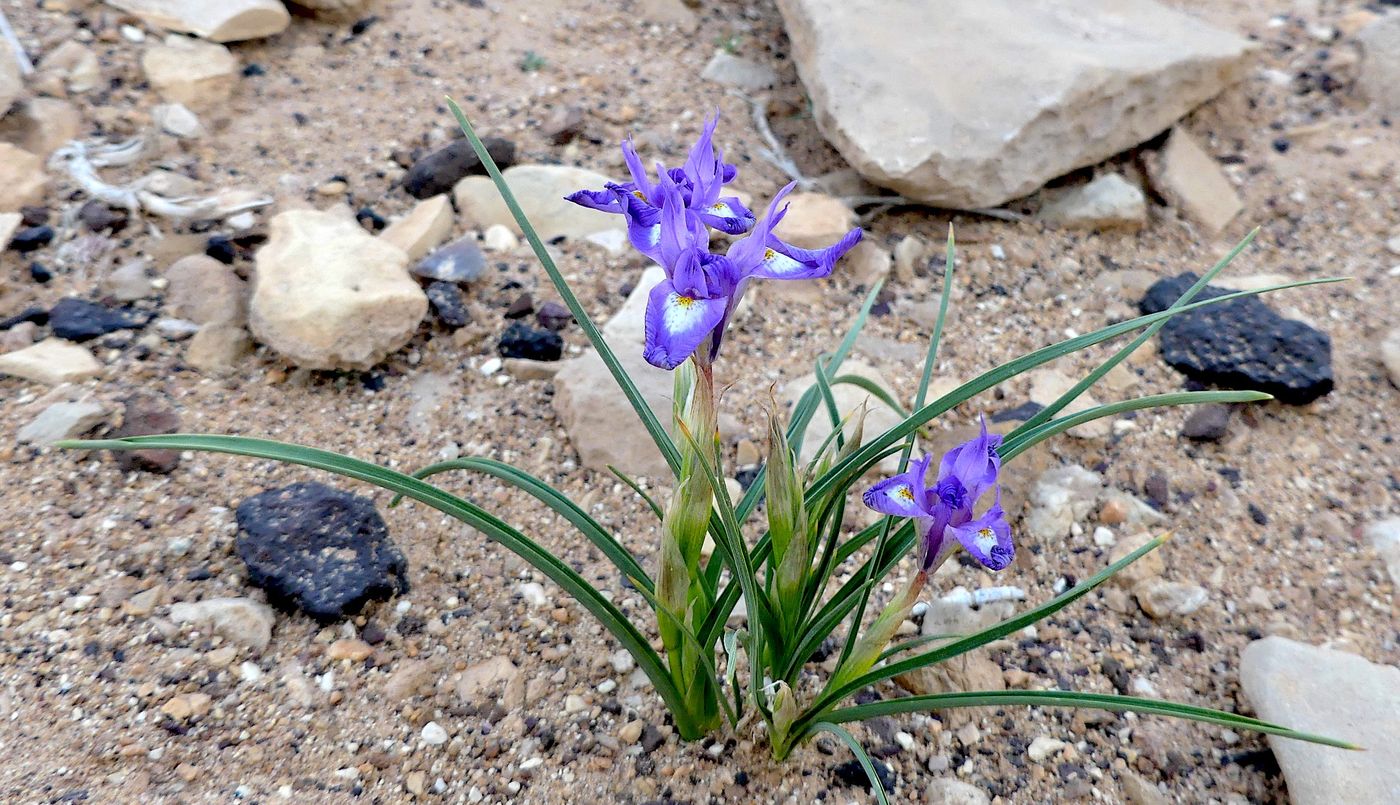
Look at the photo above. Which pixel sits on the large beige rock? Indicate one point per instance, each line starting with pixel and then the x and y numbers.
pixel 540 189
pixel 215 20
pixel 22 177
pixel 814 220
pixel 1332 693
pixel 328 295
pixel 51 361
pixel 424 227
pixel 1108 202
pixel 200 75
pixel 205 291
pixel 1193 181
pixel 974 104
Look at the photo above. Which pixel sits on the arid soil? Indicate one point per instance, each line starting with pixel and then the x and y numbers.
pixel 83 680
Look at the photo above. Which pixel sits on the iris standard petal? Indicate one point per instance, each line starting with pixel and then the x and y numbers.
pixel 988 538
pixel 640 179
pixel 748 253
pixel 676 325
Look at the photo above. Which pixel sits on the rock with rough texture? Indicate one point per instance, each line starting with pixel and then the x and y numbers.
pixel 83 320
pixel 9 224
pixel 520 340
pixel 739 73
pixel 200 75
pixel 205 291
pixel 935 103
pixel 1207 423
pixel 1390 355
pixel 1108 202
pixel 814 220
pixel 1059 498
pixel 177 120
pixel 1192 180
pixel 215 20
pixel 460 261
pixel 11 84
pixel 329 295
pixel 449 304
pixel 51 361
pixel 22 175
pixel 218 347
pixel 321 550
pixel 1333 693
pixel 540 189
pixel 41 125
pixel 1241 344
pixel 1379 78
pixel 1170 599
pixel 240 620
pixel 1048 384
pixel 1384 537
pixel 147 414
pixel 487 683
pixel 849 399
pixel 948 791
pixel 423 228
pixel 74 64
pixel 440 171
pixel 63 420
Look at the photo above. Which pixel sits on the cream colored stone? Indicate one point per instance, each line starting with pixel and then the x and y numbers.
pixel 215 20
pixel 329 295
pixel 1108 202
pixel 814 220
pixel 200 75
pixel 41 125
pixel 51 361
pixel 426 226
pixel 540 189
pixel 11 84
pixel 9 224
pixel 1192 180
pixel 22 177
pixel 75 64
pixel 981 103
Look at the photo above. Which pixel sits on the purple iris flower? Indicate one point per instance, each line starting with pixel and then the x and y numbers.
pixel 701 290
pixel 699 183
pixel 944 511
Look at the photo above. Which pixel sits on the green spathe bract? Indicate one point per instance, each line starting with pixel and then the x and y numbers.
pixel 790 604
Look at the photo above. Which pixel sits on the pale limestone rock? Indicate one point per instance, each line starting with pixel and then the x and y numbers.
pixel 739 73
pixel 200 75
pixel 1192 180
pixel 949 791
pixel 849 399
pixel 240 620
pixel 63 420
pixel 1384 537
pixel 667 12
pixel 814 220
pixel 51 361
pixel 1379 78
pixel 205 291
pixel 1170 599
pixel 1048 384
pixel 939 106
pixel 540 189
pixel 11 84
pixel 177 120
pixel 1108 202
pixel 489 682
pixel 41 125
pixel 426 226
pixel 74 64
pixel 217 348
pixel 9 224
pixel 329 295
pixel 215 20
pixel 22 175
pixel 1332 693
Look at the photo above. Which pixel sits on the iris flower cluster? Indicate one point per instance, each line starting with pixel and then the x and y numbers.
pixel 669 220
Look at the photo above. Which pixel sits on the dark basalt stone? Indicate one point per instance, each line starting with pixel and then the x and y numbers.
pixel 851 773
pixel 520 340
pixel 80 320
pixel 440 171
pixel 318 549
pixel 1242 344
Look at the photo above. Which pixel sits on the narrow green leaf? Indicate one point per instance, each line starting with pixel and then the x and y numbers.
pixel 547 563
pixel 877 786
pixel 1093 377
pixel 554 499
pixel 585 323
pixel 635 487
pixel 830 698
pixel 1055 698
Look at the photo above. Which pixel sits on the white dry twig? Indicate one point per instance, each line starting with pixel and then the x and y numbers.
pixel 82 160
pixel 984 596
pixel 26 67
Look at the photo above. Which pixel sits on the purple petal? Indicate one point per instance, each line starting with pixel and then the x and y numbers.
pixel 748 253
pixel 975 462
pixel 988 538
pixel 935 543
pixel 681 232
pixel 676 325
pixel 643 225
pixel 639 173
pixel 728 215
pixel 703 167
pixel 783 261
pixel 604 200
pixel 903 495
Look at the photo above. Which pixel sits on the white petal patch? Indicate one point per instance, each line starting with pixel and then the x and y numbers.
pixel 985 541
pixel 684 313
pixel 779 265
pixel 901 495
pixel 653 235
